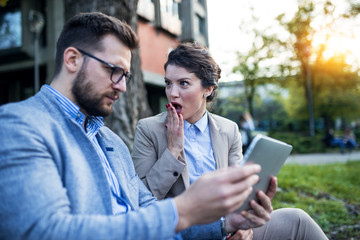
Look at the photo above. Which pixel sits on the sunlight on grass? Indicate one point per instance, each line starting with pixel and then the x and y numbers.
pixel 329 193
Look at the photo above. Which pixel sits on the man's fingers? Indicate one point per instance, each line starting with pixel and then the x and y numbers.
pixel 236 174
pixel 216 194
pixel 235 201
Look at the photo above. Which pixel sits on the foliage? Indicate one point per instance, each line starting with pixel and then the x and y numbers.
pixel 301 142
pixel 3 3
pixel 255 65
pixel 296 104
pixel 334 90
pixel 329 193
pixel 269 111
pixel 231 106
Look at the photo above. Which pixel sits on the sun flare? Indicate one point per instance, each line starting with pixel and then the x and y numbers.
pixel 337 44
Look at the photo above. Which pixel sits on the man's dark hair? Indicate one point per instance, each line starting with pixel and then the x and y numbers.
pixel 85 31
pixel 195 58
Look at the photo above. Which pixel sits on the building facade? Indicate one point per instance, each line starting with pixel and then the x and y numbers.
pixel 29 30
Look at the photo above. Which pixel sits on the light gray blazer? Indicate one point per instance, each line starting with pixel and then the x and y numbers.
pixel 165 175
pixel 53 186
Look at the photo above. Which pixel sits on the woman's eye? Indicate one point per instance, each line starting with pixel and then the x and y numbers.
pixel 184 83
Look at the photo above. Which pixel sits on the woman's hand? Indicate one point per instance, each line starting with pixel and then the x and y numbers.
pixel 259 213
pixel 175 131
pixel 242 235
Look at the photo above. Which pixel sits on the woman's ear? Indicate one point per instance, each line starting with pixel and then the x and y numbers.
pixel 209 90
pixel 72 59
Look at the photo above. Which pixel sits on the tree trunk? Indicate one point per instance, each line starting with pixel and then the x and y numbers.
pixel 132 105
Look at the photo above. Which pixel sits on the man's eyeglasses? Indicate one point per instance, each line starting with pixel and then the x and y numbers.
pixel 117 73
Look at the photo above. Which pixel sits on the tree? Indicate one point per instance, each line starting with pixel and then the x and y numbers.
pixel 334 83
pixel 133 104
pixel 255 65
pixel 300 28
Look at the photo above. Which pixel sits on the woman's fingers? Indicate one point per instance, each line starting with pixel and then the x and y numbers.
pixel 175 131
pixel 271 191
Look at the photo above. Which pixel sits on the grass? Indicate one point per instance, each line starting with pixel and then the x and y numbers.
pixel 330 194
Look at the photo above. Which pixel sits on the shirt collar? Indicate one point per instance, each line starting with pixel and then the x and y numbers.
pixel 201 124
pixel 73 111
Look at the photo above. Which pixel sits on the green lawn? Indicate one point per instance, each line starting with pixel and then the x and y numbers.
pixel 329 193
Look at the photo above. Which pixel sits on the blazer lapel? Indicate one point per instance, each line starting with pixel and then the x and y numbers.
pixel 94 162
pixel 117 165
pixel 219 143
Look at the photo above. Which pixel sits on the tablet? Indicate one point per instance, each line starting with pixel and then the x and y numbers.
pixel 270 154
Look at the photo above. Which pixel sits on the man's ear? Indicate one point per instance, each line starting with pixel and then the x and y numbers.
pixel 72 59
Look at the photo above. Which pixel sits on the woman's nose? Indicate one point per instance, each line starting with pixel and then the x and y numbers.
pixel 174 91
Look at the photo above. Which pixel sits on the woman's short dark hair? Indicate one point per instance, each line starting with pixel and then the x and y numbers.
pixel 85 31
pixel 195 58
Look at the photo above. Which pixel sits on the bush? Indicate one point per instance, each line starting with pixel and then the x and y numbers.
pixel 301 142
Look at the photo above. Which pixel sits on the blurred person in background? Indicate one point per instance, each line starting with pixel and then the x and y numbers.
pixel 246 126
pixel 331 140
pixel 349 139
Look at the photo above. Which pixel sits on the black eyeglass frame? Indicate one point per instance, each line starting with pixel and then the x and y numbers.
pixel 113 67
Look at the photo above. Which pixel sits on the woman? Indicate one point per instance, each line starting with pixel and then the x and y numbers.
pixel 186 130
pixel 172 149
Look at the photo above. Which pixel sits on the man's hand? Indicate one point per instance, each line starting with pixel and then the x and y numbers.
pixel 215 194
pixel 259 213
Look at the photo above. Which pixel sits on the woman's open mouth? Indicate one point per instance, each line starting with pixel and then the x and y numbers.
pixel 177 107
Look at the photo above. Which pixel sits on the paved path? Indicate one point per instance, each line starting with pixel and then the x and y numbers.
pixel 322 158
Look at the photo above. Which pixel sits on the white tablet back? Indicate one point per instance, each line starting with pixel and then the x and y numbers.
pixel 271 155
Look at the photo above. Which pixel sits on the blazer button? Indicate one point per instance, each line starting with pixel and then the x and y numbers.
pixel 176 174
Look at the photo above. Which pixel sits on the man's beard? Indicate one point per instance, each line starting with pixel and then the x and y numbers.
pixel 86 97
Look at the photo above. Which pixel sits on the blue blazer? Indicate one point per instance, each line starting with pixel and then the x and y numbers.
pixel 53 186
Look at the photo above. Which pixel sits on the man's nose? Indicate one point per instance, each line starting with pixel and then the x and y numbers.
pixel 120 86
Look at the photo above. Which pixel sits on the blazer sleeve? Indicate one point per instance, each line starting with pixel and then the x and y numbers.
pixel 158 170
pixel 235 151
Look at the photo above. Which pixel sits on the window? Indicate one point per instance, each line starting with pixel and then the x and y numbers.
pixel 201 2
pixel 200 25
pixel 170 6
pixel 10 26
